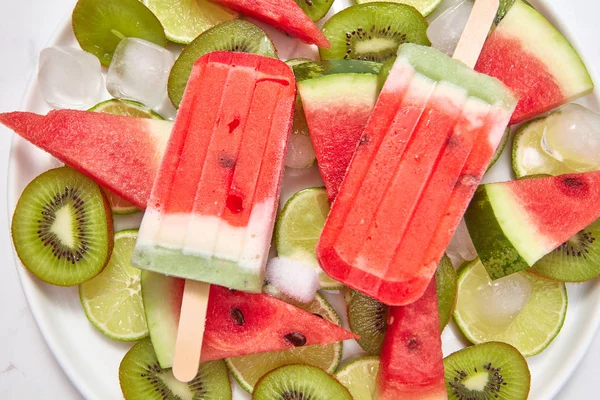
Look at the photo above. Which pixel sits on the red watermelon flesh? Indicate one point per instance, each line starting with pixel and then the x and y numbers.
pixel 120 153
pixel 411 366
pixel 284 15
pixel 237 323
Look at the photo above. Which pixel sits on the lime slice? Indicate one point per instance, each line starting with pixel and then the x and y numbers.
pixel 360 377
pixel 299 227
pixel 524 310
pixel 425 7
pixel 112 301
pixel 247 370
pixel 183 20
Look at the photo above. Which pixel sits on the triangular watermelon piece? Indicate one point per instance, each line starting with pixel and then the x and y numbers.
pixel 514 224
pixel 120 153
pixel 237 323
pixel 284 15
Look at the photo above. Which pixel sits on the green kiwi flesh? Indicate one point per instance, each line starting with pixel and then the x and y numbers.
pixel 99 25
pixel 62 227
pixel 315 9
pixel 373 31
pixel 447 290
pixel 299 382
pixel 236 35
pixel 492 370
pixel 368 318
pixel 142 378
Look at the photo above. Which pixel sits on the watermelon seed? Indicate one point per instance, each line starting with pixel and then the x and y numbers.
pixel 296 338
pixel 237 316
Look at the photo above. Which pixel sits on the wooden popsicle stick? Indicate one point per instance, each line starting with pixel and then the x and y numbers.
pixel 192 320
pixel 478 26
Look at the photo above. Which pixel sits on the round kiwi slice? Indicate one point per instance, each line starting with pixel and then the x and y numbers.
pixel 492 370
pixel 373 31
pixel 299 382
pixel 237 35
pixel 315 9
pixel 447 290
pixel 99 25
pixel 142 378
pixel 62 227
pixel 368 318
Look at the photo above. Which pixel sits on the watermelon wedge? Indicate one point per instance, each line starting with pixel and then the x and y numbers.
pixel 285 15
pixel 411 363
pixel 535 60
pixel 237 323
pixel 338 97
pixel 514 224
pixel 120 153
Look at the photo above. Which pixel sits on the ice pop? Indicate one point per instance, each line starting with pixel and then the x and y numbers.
pixel 428 142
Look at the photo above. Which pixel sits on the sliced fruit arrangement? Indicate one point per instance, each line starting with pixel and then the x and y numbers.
pixel 373 31
pixel 537 62
pixel 112 300
pixel 491 370
pixel 99 25
pixel 183 20
pixel 514 224
pixel 231 36
pixel 315 9
pixel 62 227
pixel 523 309
pixel 360 377
pixel 299 382
pixel 425 7
pixel 142 378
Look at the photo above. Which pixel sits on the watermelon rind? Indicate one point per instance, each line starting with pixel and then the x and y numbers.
pixel 315 69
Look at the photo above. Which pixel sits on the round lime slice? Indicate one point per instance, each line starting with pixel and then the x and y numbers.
pixel 247 370
pixel 112 300
pixel 524 310
pixel 299 226
pixel 425 7
pixel 360 377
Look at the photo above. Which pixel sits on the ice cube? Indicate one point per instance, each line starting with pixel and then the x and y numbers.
pixel 70 77
pixel 300 152
pixel 445 30
pixel 139 71
pixel 572 136
pixel 500 301
pixel 461 247
pixel 296 279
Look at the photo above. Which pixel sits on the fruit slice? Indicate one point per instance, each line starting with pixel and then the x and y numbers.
pixel 514 224
pixel 447 290
pixel 236 35
pixel 373 31
pixel 367 318
pixel 62 228
pixel 534 60
pixel 99 25
pixel 299 382
pixel 523 310
pixel 237 323
pixel 112 301
pixel 120 153
pixel 299 227
pixel 247 370
pixel 360 377
pixel 425 7
pixel 141 378
pixel 487 371
pixel 500 148
pixel 338 97
pixel 284 15
pixel 315 9
pixel 411 358
pixel 183 20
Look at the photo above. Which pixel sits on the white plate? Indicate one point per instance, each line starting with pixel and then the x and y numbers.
pixel 91 360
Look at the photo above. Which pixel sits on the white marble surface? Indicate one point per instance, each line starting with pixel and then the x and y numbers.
pixel 27 367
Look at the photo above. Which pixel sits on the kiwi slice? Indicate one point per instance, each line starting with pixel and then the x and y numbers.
pixel 373 31
pixel 492 370
pixel 236 35
pixel 299 382
pixel 367 317
pixel 142 378
pixel 315 9
pixel 99 25
pixel 447 290
pixel 62 227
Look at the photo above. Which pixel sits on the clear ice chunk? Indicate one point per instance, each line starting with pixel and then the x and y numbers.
pixel 500 301
pixel 70 77
pixel 461 247
pixel 300 152
pixel 572 136
pixel 139 71
pixel 296 279
pixel 445 30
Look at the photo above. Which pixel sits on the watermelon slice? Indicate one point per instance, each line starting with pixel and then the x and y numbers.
pixel 338 97
pixel 120 153
pixel 514 224
pixel 237 323
pixel 535 60
pixel 411 366
pixel 284 15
